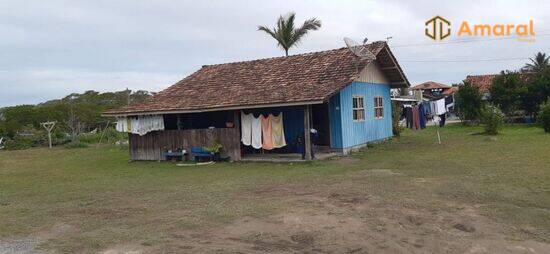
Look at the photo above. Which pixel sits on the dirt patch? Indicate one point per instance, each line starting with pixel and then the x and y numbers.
pixel 351 223
pixel 125 249
pixel 24 245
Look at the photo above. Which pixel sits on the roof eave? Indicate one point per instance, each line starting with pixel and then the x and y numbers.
pixel 187 111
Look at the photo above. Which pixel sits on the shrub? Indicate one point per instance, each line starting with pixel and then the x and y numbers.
pixel 544 116
pixel 492 118
pixel 397 111
pixel 110 136
pixel 468 103
pixel 76 144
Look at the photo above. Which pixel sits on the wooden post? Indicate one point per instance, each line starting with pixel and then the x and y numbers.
pixel 103 133
pixel 49 126
pixel 307 129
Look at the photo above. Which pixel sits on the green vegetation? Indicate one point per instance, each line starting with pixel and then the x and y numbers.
pixel 396 111
pixel 544 116
pixel 492 120
pixel 538 64
pixel 286 35
pixel 524 91
pixel 469 103
pixel 109 201
pixel 505 92
pixel 76 116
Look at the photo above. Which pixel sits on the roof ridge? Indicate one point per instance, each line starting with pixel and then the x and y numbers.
pixel 281 57
pixel 274 57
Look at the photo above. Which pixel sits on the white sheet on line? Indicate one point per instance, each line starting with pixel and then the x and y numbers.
pixel 256 132
pixel 246 128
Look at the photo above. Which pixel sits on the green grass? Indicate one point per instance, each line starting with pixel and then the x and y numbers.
pixel 113 201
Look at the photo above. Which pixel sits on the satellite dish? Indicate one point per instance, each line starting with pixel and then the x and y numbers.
pixel 359 50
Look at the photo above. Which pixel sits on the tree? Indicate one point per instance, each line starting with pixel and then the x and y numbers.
pixel 286 34
pixel 468 102
pixel 538 64
pixel 505 92
pixel 536 92
pixel 544 116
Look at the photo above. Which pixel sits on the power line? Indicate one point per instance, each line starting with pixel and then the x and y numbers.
pixel 465 41
pixel 465 60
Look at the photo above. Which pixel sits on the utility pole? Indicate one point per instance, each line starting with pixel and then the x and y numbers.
pixel 128 98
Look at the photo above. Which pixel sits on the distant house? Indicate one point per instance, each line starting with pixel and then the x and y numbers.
pixel 484 82
pixel 338 94
pixel 432 90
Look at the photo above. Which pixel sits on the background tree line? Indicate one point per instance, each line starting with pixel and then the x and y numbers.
pixel 512 95
pixel 75 114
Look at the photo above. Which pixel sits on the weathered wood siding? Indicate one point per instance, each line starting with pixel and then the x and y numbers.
pixel 151 145
pixel 372 74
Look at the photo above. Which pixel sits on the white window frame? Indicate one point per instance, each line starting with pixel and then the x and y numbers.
pixel 379 106
pixel 359 108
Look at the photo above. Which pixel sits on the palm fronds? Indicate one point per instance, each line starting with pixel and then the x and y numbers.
pixel 286 35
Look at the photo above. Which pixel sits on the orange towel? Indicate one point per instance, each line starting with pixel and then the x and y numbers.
pixel 267 137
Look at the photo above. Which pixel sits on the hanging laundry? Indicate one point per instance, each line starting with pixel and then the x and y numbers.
pixel 277 130
pixel 122 124
pixel 427 108
pixel 257 132
pixel 140 125
pixel 246 128
pixel 416 119
pixel 422 115
pixel 440 107
pixel 267 137
pixel 442 121
pixel 408 116
pixel 432 108
pixel 129 122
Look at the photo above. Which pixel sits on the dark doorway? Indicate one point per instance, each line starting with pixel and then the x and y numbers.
pixel 320 122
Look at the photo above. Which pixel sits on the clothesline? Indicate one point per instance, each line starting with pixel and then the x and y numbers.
pixel 416 116
pixel 140 125
pixel 262 132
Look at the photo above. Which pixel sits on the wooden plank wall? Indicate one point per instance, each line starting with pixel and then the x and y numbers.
pixel 151 145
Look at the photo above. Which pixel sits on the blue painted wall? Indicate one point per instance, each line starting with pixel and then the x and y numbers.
pixel 293 120
pixel 335 122
pixel 348 133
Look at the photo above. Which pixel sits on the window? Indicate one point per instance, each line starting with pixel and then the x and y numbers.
pixel 378 107
pixel 358 108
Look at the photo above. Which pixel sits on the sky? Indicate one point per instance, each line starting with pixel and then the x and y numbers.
pixel 49 49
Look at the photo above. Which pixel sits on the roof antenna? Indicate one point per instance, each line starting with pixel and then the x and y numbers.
pixel 388 39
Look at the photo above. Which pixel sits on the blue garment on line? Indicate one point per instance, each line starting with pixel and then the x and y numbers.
pixel 422 116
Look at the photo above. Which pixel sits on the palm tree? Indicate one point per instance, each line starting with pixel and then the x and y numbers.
pixel 286 35
pixel 539 63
